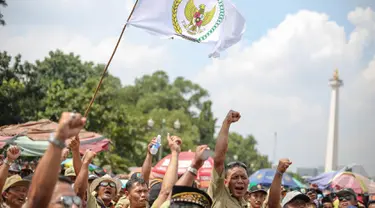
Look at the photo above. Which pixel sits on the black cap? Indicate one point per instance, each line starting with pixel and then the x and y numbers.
pixel 257 188
pixel 190 195
pixel 326 199
pixel 345 192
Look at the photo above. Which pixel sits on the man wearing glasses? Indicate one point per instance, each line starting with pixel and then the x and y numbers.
pixel 105 189
pixel 347 198
pixel 228 186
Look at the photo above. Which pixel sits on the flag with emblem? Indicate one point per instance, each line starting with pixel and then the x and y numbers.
pixel 215 22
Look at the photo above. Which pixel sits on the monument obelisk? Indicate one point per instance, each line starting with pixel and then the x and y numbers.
pixel 333 124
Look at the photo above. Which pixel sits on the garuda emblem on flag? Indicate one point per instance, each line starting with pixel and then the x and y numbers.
pixel 197 22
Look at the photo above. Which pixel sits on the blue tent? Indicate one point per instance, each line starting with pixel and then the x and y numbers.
pixel 265 177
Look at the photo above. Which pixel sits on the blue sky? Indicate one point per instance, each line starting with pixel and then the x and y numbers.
pixel 276 76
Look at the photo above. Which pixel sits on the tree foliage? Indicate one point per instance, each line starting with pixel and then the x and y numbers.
pixel 3 4
pixel 63 82
pixel 244 150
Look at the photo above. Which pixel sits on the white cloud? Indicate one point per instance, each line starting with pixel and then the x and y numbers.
pixel 280 83
pixel 369 72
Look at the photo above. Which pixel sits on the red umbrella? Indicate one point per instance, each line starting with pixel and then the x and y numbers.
pixel 184 161
pixel 358 183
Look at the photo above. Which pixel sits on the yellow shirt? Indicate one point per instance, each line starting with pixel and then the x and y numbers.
pixel 220 194
pixel 166 204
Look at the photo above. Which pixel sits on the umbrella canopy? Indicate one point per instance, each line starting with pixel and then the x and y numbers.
pixel 323 180
pixel 69 163
pixel 358 183
pixel 32 137
pixel 265 177
pixel 184 161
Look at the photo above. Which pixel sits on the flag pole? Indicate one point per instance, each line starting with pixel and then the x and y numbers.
pixel 109 61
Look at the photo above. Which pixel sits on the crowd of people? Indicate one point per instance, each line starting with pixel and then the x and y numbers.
pixel 46 184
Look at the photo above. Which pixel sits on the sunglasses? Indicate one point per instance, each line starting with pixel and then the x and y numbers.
pixel 236 164
pixel 347 198
pixel 105 184
pixel 68 201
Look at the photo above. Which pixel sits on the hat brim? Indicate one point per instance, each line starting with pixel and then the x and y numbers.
pixel 260 190
pixel 18 183
pixel 97 181
pixel 304 197
pixel 345 193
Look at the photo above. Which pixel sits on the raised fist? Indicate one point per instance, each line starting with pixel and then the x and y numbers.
pixel 283 165
pixel 174 143
pixel 89 156
pixel 232 117
pixel 13 153
pixel 74 144
pixel 70 125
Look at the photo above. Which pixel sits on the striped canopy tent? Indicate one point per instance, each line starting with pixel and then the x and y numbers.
pixel 32 138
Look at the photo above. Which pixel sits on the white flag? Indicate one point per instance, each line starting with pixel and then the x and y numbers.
pixel 203 21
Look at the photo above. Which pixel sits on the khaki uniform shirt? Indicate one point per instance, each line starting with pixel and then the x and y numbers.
pixel 220 194
pixel 93 202
pixel 123 201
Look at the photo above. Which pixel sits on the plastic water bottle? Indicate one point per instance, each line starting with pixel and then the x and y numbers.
pixel 154 149
pixel 206 154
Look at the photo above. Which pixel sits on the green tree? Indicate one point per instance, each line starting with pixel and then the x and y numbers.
pixel 244 150
pixel 63 82
pixel 20 103
pixel 206 123
pixel 3 4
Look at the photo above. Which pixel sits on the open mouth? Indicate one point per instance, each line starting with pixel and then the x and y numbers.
pixel 239 189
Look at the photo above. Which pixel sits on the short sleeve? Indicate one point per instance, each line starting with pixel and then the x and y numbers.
pixel 216 187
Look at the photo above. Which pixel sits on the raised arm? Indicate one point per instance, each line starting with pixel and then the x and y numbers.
pixel 13 153
pixel 188 178
pixel 275 190
pixel 221 147
pixel 147 164
pixel 80 185
pixel 74 146
pixel 171 175
pixel 45 177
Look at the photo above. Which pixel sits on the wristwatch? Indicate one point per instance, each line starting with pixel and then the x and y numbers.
pixel 57 142
pixel 280 173
pixel 193 170
pixel 9 163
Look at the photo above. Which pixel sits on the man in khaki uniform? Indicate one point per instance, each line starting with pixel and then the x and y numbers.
pixel 227 187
